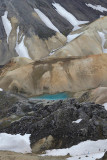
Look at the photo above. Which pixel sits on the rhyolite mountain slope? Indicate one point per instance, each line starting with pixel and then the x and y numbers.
pixel 27 27
pixel 56 52
pixel 89 40
pixel 75 75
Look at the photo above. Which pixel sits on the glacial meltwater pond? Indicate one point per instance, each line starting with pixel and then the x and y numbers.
pixel 58 96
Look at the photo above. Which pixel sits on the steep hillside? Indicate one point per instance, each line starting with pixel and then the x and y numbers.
pixel 33 28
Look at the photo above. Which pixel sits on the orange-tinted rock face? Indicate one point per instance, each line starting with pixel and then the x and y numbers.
pixel 57 75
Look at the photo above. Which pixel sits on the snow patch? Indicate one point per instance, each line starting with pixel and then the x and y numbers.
pixel 46 20
pixel 89 150
pixel 102 36
pixel 15 143
pixel 17 33
pixel 68 16
pixel 97 7
pixel 1 89
pixel 101 16
pixel 52 53
pixel 105 106
pixel 7 24
pixel 20 48
pixel 77 121
pixel 71 37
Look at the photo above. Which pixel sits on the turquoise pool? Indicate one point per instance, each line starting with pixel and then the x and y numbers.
pixel 58 96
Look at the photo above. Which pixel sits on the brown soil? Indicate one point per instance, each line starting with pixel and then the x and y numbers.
pixel 5 155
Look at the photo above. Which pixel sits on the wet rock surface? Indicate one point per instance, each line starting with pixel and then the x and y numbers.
pixel 52 118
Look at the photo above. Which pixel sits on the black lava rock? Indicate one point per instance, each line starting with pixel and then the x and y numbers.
pixel 56 118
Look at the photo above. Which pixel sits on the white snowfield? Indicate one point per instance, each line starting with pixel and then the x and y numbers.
pixel 103 39
pixel 20 48
pixel 68 16
pixel 97 7
pixel 46 20
pixel 71 37
pixel 88 157
pixel 7 24
pixel 92 149
pixel 15 143
pixel 105 106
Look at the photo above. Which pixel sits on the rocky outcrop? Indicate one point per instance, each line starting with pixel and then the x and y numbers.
pixel 56 75
pixel 98 95
pixel 52 124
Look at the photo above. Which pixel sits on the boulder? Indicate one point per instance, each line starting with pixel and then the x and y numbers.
pixel 43 144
